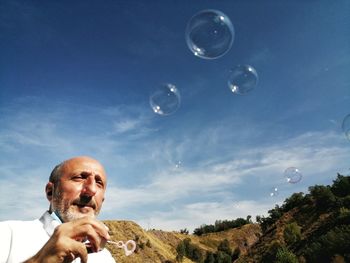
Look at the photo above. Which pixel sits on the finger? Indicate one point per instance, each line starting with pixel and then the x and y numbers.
pixel 69 258
pixel 88 232
pixel 99 227
pixel 87 228
pixel 79 250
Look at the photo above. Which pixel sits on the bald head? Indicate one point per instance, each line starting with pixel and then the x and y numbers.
pixel 58 169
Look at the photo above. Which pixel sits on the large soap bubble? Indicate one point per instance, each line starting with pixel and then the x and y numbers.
pixel 242 79
pixel 165 100
pixel 209 34
pixel 346 126
pixel 293 175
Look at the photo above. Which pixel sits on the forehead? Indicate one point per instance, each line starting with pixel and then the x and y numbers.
pixel 79 165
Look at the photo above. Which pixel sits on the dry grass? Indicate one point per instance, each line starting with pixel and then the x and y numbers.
pixel 155 246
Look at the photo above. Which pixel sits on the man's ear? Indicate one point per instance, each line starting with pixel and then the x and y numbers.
pixel 49 191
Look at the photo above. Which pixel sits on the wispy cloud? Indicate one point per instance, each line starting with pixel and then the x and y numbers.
pixel 145 185
pixel 318 155
pixel 193 215
pixel 23 195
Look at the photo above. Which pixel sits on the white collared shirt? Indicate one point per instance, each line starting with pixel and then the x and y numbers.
pixel 20 240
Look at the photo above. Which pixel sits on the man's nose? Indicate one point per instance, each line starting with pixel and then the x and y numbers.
pixel 90 187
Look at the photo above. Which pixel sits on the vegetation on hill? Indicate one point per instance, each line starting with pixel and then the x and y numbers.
pixel 307 228
pixel 313 227
pixel 222 225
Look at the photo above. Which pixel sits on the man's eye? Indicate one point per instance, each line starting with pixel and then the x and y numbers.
pixel 99 182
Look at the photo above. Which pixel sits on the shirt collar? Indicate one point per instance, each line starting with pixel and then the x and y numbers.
pixel 50 222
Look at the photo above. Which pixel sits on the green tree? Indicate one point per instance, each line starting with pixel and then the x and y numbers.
pixel 258 219
pixel 249 219
pixel 184 231
pixel 341 186
pixel 295 200
pixel 275 213
pixel 323 195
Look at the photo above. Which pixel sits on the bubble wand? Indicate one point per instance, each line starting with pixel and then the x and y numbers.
pixel 121 244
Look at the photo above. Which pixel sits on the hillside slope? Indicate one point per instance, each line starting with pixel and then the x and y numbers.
pixel 155 246
pixel 312 228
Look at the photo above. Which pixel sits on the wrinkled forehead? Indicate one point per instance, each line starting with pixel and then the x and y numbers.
pixel 86 165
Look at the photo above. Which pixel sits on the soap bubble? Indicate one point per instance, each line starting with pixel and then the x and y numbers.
pixel 209 34
pixel 165 100
pixel 293 175
pixel 273 191
pixel 346 126
pixel 242 79
pixel 178 165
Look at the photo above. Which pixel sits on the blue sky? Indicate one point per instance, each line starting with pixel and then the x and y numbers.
pixel 75 79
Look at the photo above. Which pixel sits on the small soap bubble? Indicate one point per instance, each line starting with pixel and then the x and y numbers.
pixel 165 100
pixel 346 126
pixel 273 191
pixel 178 165
pixel 242 79
pixel 293 175
pixel 209 34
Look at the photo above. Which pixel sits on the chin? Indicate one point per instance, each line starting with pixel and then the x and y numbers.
pixel 70 216
pixel 83 214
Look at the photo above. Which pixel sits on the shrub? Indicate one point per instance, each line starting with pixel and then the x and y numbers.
pixel 270 255
pixel 285 256
pixel 185 248
pixel 292 233
pixel 209 258
pixel 181 251
pixel 222 257
pixel 334 242
pixel 224 246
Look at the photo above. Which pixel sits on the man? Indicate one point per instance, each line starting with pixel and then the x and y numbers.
pixel 69 230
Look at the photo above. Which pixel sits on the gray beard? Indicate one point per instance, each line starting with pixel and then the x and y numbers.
pixel 62 209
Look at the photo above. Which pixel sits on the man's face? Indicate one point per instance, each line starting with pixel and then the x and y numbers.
pixel 80 190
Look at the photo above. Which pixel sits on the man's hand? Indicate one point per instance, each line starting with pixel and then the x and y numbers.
pixel 66 243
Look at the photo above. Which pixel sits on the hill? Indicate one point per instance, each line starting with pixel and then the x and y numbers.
pixel 160 246
pixel 307 228
pixel 313 227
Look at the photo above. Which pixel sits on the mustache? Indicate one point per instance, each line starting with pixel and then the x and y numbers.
pixel 85 201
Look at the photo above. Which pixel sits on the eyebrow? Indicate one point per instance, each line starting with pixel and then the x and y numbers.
pixel 88 173
pixel 97 176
